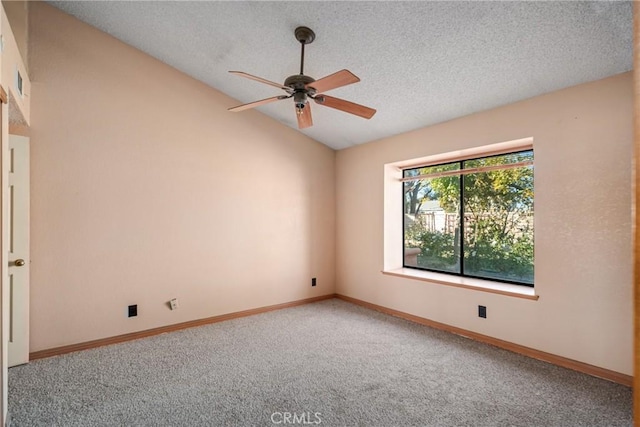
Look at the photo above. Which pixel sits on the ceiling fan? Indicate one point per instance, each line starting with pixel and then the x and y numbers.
pixel 302 88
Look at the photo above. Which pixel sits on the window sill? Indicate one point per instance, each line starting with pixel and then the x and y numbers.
pixel 465 282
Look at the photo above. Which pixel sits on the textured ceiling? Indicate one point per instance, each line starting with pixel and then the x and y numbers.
pixel 420 63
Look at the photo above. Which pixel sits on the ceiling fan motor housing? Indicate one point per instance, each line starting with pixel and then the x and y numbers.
pixel 298 83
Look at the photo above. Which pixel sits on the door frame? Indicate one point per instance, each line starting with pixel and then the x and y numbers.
pixel 4 258
pixel 636 213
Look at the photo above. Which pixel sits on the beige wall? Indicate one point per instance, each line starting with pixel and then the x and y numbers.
pixel 17 14
pixel 583 151
pixel 144 188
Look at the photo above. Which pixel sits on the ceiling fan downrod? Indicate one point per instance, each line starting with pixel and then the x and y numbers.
pixel 304 35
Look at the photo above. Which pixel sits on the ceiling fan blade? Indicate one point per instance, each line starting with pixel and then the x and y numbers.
pixel 256 103
pixel 335 80
pixel 260 79
pixel 304 116
pixel 346 106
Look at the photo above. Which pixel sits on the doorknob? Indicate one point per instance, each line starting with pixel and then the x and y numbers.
pixel 18 262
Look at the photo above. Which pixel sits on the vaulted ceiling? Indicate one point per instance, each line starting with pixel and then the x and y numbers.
pixel 420 63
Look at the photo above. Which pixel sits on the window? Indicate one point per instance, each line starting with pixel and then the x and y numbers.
pixel 471 218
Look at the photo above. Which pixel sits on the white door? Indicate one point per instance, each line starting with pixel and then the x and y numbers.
pixel 18 218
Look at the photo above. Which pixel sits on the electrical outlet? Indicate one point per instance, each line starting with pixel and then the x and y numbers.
pixel 173 304
pixel 313 281
pixel 482 311
pixel 133 310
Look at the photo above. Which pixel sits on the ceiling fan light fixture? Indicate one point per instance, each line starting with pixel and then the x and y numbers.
pixel 300 99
